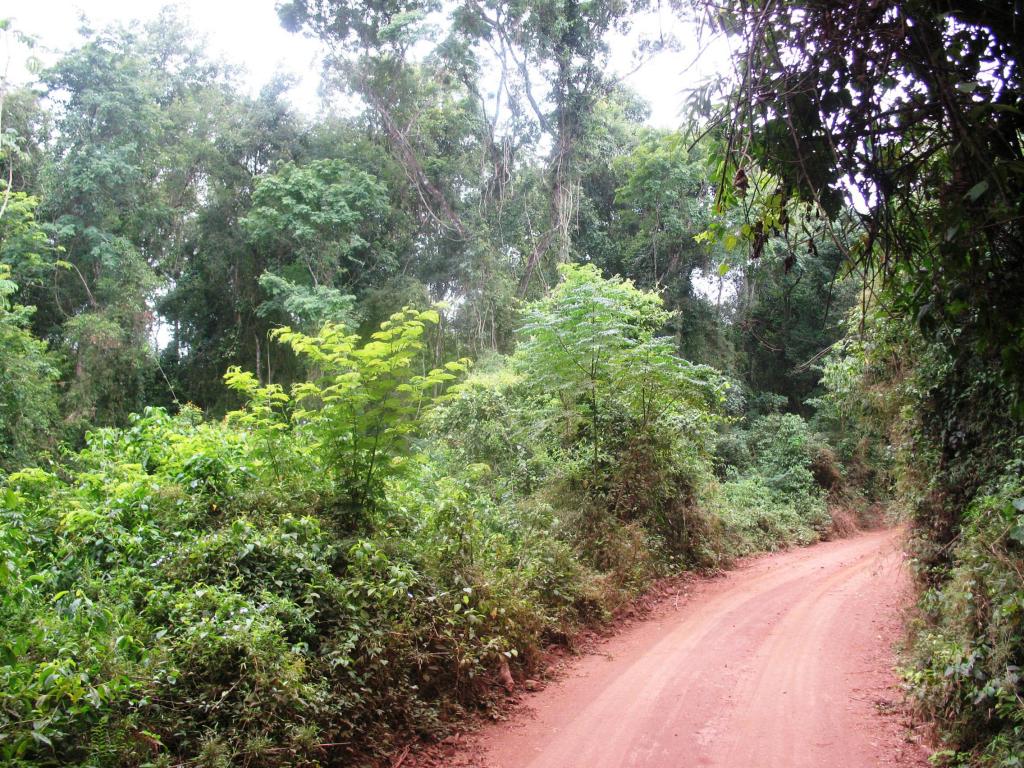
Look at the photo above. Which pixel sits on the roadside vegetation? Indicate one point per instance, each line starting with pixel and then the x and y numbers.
pixel 372 552
pixel 315 433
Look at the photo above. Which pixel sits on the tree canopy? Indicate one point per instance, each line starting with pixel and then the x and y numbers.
pixel 317 428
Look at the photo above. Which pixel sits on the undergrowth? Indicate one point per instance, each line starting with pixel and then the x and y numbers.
pixel 366 556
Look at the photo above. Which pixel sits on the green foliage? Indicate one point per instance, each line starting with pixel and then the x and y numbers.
pixel 870 390
pixel 496 419
pixel 213 307
pixel 328 216
pixel 759 518
pixel 630 421
pixel 24 247
pixel 943 210
pixel 663 203
pixel 781 448
pixel 28 395
pixel 793 306
pixel 591 344
pixel 169 596
pixel 362 407
pixel 309 308
pixel 133 109
pixel 769 496
pixel 965 670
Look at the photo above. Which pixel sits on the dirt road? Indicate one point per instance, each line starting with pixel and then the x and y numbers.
pixel 783 663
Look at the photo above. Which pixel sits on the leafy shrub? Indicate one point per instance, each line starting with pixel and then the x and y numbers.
pixel 359 412
pixel 363 555
pixel 731 454
pixel 28 374
pixel 180 590
pixel 758 517
pixel 968 652
pixel 780 445
pixel 496 419
pixel 632 421
pixel 769 497
pixel 158 600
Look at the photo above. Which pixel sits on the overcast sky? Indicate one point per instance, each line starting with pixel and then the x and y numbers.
pixel 247 33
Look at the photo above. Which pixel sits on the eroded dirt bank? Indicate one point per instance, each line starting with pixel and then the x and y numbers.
pixel 785 662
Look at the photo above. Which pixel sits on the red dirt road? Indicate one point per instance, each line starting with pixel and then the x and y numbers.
pixel 785 662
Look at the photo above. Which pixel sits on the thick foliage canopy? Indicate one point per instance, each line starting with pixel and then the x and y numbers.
pixel 920 106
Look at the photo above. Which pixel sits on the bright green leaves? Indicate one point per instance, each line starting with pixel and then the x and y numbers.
pixel 327 216
pixel 265 405
pixel 589 316
pixel 573 339
pixel 363 405
pixel 24 246
pixel 591 342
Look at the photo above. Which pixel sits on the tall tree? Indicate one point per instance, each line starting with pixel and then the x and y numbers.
pixel 920 106
pixel 28 370
pixel 371 50
pixel 119 187
pixel 213 301
pixel 555 58
pixel 327 216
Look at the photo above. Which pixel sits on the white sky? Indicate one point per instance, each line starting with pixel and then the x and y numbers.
pixel 247 33
pixel 244 32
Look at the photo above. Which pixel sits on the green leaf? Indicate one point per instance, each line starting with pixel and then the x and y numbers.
pixel 42 738
pixel 977 190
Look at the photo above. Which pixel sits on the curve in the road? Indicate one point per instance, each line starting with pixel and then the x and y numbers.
pixel 783 663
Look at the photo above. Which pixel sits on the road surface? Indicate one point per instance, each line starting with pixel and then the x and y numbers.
pixel 785 662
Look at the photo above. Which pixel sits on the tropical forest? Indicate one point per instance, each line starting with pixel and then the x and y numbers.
pixel 475 417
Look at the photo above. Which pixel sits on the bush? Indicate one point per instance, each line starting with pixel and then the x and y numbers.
pixel 769 497
pixel 968 652
pixel 759 518
pixel 496 419
pixel 364 556
pixel 782 452
pixel 732 456
pixel 631 421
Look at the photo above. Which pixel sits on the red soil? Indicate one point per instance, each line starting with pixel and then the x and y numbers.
pixel 785 662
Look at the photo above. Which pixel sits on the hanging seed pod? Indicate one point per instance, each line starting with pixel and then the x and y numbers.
pixel 757 247
pixel 740 182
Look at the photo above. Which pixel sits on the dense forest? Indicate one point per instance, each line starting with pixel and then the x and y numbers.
pixel 315 431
